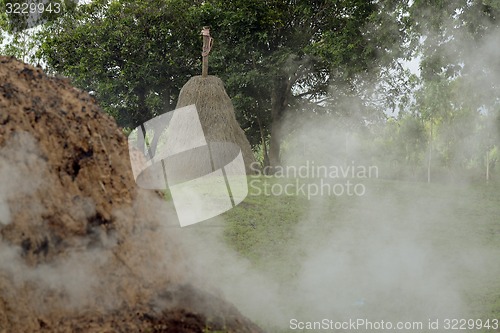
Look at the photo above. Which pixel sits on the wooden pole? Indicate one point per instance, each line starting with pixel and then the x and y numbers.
pixel 207 46
pixel 487 165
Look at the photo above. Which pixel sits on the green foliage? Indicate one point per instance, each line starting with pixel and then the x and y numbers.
pixel 135 55
pixel 20 15
pixel 277 55
pixel 292 52
pixel 281 58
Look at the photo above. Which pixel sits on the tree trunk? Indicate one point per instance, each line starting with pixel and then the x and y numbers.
pixel 346 160
pixel 139 117
pixel 279 102
pixel 430 158
pixel 487 166
pixel 264 145
pixel 275 144
pixel 142 113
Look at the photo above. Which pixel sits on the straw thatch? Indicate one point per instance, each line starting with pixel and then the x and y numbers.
pixel 216 112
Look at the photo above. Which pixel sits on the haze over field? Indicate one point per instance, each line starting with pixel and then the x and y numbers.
pixel 375 186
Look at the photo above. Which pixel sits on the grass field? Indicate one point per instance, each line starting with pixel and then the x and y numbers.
pixel 414 242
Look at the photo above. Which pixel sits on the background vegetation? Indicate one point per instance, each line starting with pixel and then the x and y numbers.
pixel 344 59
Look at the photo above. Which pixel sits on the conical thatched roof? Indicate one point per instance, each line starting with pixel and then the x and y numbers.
pixel 216 113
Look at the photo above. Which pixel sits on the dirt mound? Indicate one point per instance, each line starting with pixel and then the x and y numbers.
pixel 81 249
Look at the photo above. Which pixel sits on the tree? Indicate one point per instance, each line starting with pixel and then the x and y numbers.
pixel 19 25
pixel 457 42
pixel 275 56
pixel 134 55
pixel 281 56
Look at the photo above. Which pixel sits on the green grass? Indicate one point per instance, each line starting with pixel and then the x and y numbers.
pixel 261 228
pixel 264 228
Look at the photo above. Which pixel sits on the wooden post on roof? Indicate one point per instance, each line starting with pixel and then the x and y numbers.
pixel 207 46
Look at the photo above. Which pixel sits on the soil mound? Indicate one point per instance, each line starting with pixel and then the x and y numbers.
pixel 80 249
